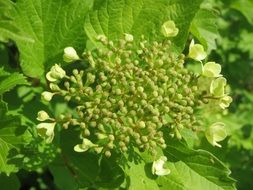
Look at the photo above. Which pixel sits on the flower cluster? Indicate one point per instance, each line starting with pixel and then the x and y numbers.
pixel 129 93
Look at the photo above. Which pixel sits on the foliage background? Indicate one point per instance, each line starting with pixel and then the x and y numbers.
pixel 32 40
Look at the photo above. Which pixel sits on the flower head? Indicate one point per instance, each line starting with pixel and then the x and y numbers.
pixel 86 145
pixel 70 55
pixel 46 130
pixel 55 73
pixel 216 133
pixel 157 167
pixel 47 96
pixel 169 29
pixel 225 102
pixel 217 87
pixel 211 69
pixel 196 51
pixel 42 116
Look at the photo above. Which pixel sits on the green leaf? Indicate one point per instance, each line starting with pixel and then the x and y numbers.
pixel 245 7
pixel 84 167
pixel 246 43
pixel 139 178
pixel 8 28
pixel 196 169
pixel 52 25
pixel 182 177
pixel 113 18
pixel 63 177
pixel 12 136
pixel 9 182
pixel 111 174
pixel 204 28
pixel 10 80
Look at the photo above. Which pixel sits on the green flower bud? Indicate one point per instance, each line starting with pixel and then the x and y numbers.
pixel 70 55
pixel 118 91
pixel 90 78
pixel 140 89
pixel 216 133
pixel 101 136
pixel 111 137
pixel 197 52
pixel 108 153
pixel 93 124
pixel 86 132
pixel 47 96
pixel 42 116
pixel 82 125
pixel 46 130
pixel 129 38
pixel 98 149
pixel 157 167
pixel 110 145
pixel 121 103
pixel 54 87
pixel 155 94
pixel 141 124
pixel 211 69
pixel 169 29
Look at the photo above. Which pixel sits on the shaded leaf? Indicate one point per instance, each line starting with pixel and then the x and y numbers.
pixel 205 29
pixel 245 7
pixel 10 80
pixel 12 136
pixel 9 182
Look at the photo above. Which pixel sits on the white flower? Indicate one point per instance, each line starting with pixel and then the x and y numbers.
pixel 42 116
pixel 217 87
pixel 70 55
pixel 46 130
pixel 157 167
pixel 196 51
pixel 211 69
pixel 215 133
pixel 47 96
pixel 129 38
pixel 87 144
pixel 55 73
pixel 225 102
pixel 169 29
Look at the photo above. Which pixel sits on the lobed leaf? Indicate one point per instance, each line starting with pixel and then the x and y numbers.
pixel 8 28
pixel 10 80
pixel 52 25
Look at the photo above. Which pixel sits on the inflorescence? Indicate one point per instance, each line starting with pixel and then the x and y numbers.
pixel 129 94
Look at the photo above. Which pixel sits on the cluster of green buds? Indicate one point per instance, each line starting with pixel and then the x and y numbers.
pixel 130 92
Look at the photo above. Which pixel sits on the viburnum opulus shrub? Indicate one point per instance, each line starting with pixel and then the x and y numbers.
pixel 125 111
